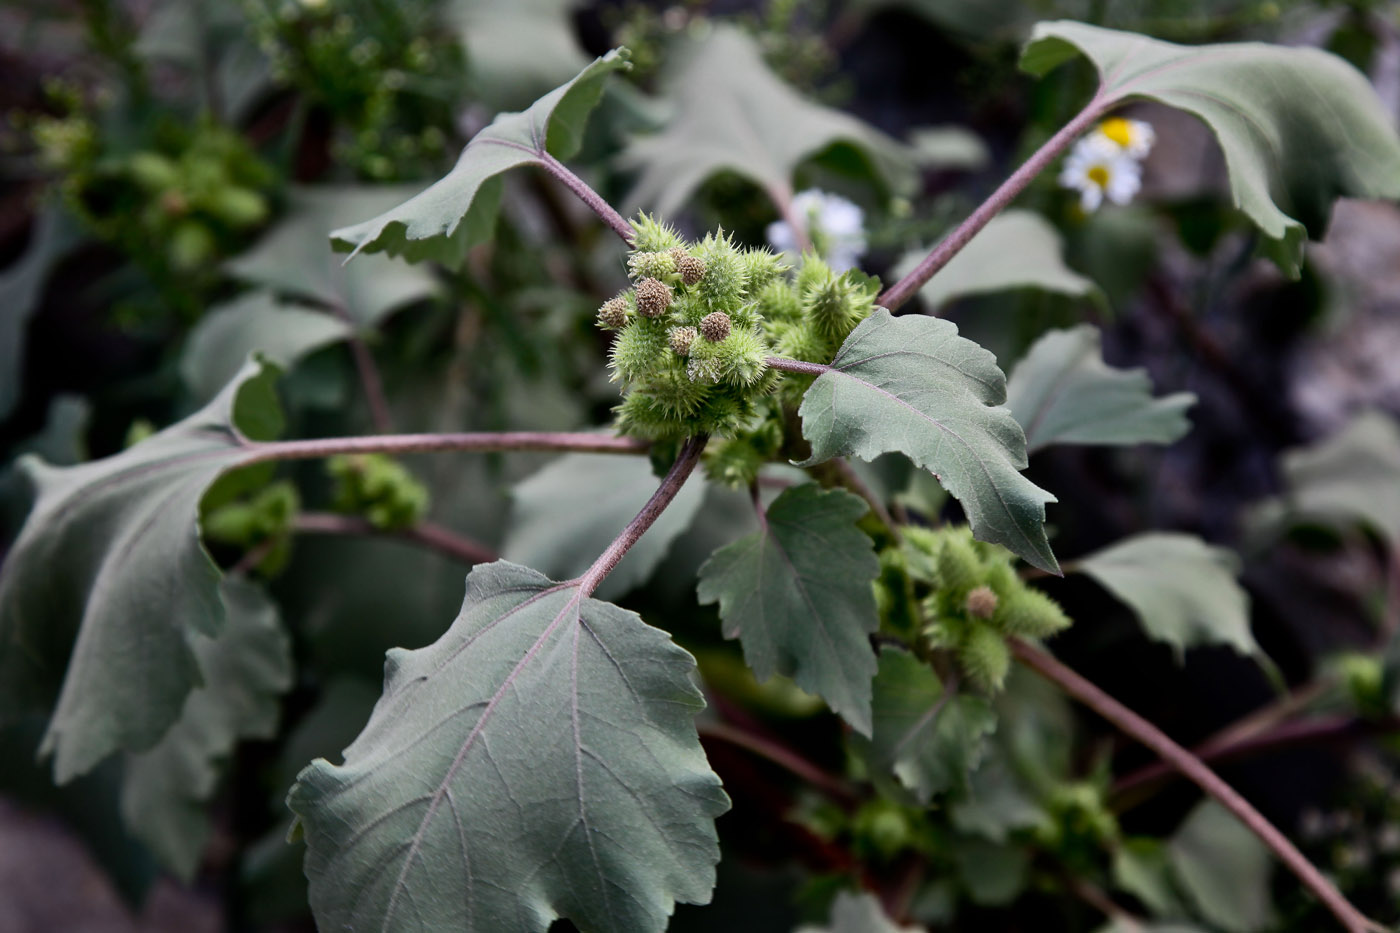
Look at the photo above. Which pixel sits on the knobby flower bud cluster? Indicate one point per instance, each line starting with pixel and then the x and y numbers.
pixel 696 328
pixel 967 598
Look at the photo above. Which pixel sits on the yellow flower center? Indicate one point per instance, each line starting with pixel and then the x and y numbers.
pixel 1098 175
pixel 1118 129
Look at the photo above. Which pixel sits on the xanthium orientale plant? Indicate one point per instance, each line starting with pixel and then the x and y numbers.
pixel 540 760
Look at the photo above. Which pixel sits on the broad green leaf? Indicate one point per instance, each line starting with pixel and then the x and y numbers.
pixel 994 875
pixel 538 761
pixel 293 257
pixel 257 322
pixel 246 669
pixel 858 913
pixel 981 20
pixel 733 114
pixel 1141 868
pixel 984 266
pixel 1062 392
pixel 517 49
pixel 929 740
pixel 21 285
pixel 1352 477
pixel 913 385
pixel 1183 590
pixel 995 804
pixel 797 594
pixel 459 210
pixel 110 562
pixel 1299 127
pixel 565 515
pixel 1224 869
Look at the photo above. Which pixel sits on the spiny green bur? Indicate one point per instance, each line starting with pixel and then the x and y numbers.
pixel 675 385
pixel 975 601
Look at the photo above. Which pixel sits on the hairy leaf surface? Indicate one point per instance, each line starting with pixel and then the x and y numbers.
pixel 1062 392
pixel 733 114
pixel 1299 127
pixel 539 760
pixel 797 594
pixel 246 669
pixel 566 514
pixel 259 322
pixel 982 266
pixel 293 258
pixel 111 554
pixel 459 210
pixel 929 740
pixel 913 385
pixel 1183 590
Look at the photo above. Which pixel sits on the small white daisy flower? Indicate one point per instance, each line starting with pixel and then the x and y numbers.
pixel 834 226
pixel 1135 137
pixel 1099 168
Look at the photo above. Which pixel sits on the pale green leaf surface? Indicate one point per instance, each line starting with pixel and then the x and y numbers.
pixel 930 741
pixel 994 875
pixel 913 385
pixel 1062 392
pixel 256 322
pixel 459 210
pixel 1184 591
pixel 1351 477
pixel 539 760
pixel 1141 868
pixel 110 556
pixel 978 20
pixel 947 148
pixel 246 669
pixel 567 514
pixel 517 49
pixel 858 913
pixel 797 594
pixel 1299 127
pixel 1224 868
pixel 733 114
pixel 1016 250
pixel 293 257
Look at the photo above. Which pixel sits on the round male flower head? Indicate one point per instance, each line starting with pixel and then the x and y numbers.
pixel 613 314
pixel 833 225
pixel 1135 137
pixel 681 338
pixel 691 268
pixel 1099 168
pixel 715 326
pixel 653 297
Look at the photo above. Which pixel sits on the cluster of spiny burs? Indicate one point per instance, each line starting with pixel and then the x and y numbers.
pixel 695 330
pixel 966 597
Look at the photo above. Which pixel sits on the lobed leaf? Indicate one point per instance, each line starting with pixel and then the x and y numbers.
pixel 1183 590
pixel 797 593
pixel 1299 127
pixel 538 761
pixel 246 669
pixel 1224 868
pixel 912 385
pixel 1062 392
pixel 459 210
pixel 110 562
pixel 929 740
pixel 982 268
pixel 733 114
pixel 1351 477
pixel 257 322
pixel 292 257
